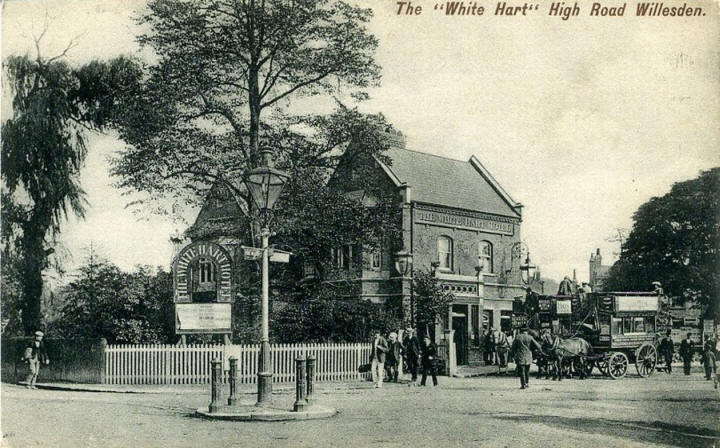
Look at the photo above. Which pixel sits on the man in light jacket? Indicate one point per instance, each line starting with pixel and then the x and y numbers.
pixel 34 356
pixel 377 358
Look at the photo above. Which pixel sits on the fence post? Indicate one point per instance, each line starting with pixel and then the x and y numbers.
pixel 216 387
pixel 101 360
pixel 233 380
pixel 310 380
pixel 299 385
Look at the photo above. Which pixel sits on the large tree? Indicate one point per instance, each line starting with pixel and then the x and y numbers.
pixel 222 90
pixel 675 239
pixel 43 149
pixel 217 96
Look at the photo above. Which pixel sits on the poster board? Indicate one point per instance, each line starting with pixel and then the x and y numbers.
pixel 194 318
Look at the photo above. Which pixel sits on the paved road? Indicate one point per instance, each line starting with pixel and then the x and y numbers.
pixel 660 411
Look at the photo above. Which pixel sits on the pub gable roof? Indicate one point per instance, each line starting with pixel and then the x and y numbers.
pixel 449 182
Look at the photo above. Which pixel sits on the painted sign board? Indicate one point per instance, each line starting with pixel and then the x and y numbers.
pixel 188 259
pixel 252 253
pixel 279 256
pixel 202 318
pixel 563 307
pixel 636 303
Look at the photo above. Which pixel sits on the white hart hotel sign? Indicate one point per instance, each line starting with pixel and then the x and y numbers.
pixel 200 268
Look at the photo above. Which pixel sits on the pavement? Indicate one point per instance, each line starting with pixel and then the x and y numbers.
pixel 245 389
pixel 490 411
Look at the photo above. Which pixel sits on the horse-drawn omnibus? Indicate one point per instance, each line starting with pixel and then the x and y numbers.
pixel 620 328
pixel 623 332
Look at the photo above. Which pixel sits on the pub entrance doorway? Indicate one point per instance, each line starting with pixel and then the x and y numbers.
pixel 460 326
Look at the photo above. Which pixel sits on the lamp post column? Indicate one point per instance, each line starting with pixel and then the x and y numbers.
pixel 265 373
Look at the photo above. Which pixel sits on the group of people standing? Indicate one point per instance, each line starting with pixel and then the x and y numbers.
pixel 496 346
pixel 666 350
pixel 390 354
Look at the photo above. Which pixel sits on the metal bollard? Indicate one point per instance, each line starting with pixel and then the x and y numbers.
pixel 233 380
pixel 216 388
pixel 310 380
pixel 299 385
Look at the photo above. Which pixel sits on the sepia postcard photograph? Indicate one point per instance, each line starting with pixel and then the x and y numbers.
pixel 360 223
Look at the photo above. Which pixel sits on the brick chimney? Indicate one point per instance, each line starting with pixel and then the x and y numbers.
pixel 394 138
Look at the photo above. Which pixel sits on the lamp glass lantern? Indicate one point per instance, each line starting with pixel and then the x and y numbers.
pixel 527 270
pixel 403 262
pixel 265 185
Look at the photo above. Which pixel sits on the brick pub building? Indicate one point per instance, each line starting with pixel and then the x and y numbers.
pixel 456 220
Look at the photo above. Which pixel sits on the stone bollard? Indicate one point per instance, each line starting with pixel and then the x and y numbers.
pixel 233 380
pixel 216 387
pixel 299 385
pixel 309 398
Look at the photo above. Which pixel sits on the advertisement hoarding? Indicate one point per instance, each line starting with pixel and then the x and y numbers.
pixel 202 318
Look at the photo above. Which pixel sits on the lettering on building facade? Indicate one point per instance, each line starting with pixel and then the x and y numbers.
pixel 203 268
pixel 470 221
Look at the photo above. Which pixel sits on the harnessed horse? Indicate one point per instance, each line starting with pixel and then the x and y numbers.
pixel 572 349
pixel 542 359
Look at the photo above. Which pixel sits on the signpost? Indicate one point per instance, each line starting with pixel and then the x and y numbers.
pixel 252 253
pixel 276 255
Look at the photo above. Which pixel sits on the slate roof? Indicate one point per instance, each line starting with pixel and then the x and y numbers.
pixel 449 182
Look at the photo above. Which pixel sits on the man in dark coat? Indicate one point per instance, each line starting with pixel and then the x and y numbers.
pixel 521 350
pixel 412 354
pixel 566 287
pixel 532 302
pixel 34 356
pixel 429 354
pixel 667 349
pixel 378 352
pixel 488 348
pixel 686 352
pixel 709 357
pixel 394 356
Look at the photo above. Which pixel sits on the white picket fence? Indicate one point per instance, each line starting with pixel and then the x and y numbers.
pixel 191 364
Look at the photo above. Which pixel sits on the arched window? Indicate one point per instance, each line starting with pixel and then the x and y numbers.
pixel 445 253
pixel 203 280
pixel 485 256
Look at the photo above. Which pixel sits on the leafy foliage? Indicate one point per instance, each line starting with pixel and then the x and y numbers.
pixel 676 240
pixel 43 150
pixel 325 314
pixel 431 300
pixel 196 120
pixel 104 302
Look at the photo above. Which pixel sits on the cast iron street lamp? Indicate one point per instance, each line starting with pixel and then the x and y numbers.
pixel 527 270
pixel 265 184
pixel 403 265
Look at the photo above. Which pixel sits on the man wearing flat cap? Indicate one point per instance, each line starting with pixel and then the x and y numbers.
pixel 35 355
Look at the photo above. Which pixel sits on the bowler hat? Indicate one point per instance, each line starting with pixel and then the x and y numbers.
pixel 39 333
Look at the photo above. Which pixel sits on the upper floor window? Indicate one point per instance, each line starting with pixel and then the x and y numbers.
pixel 485 256
pixel 445 252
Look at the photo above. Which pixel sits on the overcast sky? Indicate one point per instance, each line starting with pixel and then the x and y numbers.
pixel 581 120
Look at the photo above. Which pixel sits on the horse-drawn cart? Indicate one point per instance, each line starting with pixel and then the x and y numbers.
pixel 623 333
pixel 619 326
